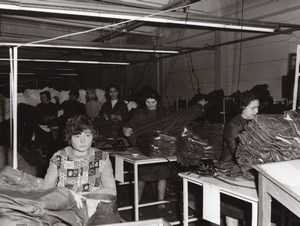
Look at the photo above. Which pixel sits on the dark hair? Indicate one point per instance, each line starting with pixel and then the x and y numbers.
pixel 74 92
pixel 47 94
pixel 151 93
pixel 244 100
pixel 107 96
pixel 94 95
pixel 77 124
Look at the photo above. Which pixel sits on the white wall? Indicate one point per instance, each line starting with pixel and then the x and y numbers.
pixel 263 61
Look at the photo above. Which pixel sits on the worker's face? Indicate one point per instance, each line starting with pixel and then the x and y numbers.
pixel 251 110
pixel 44 99
pixel 89 93
pixel 151 103
pixel 113 93
pixel 73 97
pixel 83 141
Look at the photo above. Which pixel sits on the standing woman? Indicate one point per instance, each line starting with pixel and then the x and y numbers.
pixel 159 172
pixel 92 104
pixel 248 108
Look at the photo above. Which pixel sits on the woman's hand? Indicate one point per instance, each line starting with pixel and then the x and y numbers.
pixel 78 198
pixel 115 117
pixel 202 102
pixel 127 131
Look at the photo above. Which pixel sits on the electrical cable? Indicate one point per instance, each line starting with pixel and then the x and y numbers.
pixel 171 165
pixel 176 57
pixel 196 77
pixel 146 65
pixel 189 69
pixel 107 26
pixel 234 184
pixel 241 46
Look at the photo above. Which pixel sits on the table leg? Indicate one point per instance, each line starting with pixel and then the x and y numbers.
pixel 136 193
pixel 254 214
pixel 264 215
pixel 185 202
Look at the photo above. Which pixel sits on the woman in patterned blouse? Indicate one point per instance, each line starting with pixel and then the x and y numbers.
pixel 80 167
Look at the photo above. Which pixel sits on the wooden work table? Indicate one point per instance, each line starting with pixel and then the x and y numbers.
pixel 212 188
pixel 134 157
pixel 280 180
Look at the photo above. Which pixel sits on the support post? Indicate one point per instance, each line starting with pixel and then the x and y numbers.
pixel 296 81
pixel 15 106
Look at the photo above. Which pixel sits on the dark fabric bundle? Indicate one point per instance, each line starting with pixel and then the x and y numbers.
pixel 213 133
pixel 192 149
pixel 172 123
pixel 269 138
pixel 157 143
pixel 106 213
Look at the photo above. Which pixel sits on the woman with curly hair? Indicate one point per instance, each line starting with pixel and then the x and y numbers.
pixel 248 105
pixel 85 170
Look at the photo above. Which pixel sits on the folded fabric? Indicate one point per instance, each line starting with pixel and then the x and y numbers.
pixel 269 138
pixel 172 123
pixel 157 143
pixel 21 197
pixel 19 180
pixel 192 149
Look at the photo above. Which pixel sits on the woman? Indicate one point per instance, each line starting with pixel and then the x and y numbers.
pixel 92 105
pixel 160 172
pixel 71 106
pixel 248 108
pixel 85 170
pixel 46 110
pixel 113 114
pixel 46 118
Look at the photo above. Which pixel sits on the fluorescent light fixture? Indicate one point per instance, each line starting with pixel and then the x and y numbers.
pixel 54 69
pixel 94 48
pixel 70 61
pixel 137 18
pixel 20 73
pixel 68 74
pixel 192 23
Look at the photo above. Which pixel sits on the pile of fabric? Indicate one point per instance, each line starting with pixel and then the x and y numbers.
pixel 157 144
pixel 192 149
pixel 24 203
pixel 213 132
pixel 269 138
pixel 32 97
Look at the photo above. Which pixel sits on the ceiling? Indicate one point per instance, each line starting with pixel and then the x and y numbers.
pixel 96 34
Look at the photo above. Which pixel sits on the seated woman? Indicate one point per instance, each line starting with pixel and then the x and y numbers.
pixel 45 141
pixel 92 104
pixel 85 170
pixel 248 108
pixel 158 172
pixel 113 114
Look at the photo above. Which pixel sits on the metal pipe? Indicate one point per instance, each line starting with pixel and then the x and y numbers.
pixel 15 106
pixel 296 84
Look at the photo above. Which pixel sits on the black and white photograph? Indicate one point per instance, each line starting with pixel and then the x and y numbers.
pixel 149 112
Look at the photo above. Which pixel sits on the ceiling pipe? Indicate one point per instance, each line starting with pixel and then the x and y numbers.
pixel 129 27
pixel 69 61
pixel 92 48
pixel 69 23
pixel 79 11
pixel 213 47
